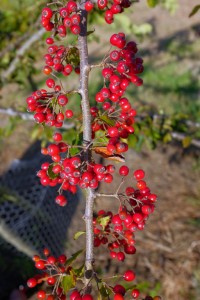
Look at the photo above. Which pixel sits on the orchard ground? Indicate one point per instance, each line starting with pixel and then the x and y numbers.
pixel 168 251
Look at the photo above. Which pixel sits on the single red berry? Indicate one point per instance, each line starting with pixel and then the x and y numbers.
pixel 102 3
pixel 62 100
pixel 57 137
pixel 139 174
pixel 47 13
pixel 121 256
pixel 53 149
pixel 118 297
pixel 75 29
pixel 47 70
pixel 89 6
pixel 32 282
pixel 50 83
pixel 137 218
pixel 46 252
pixel 119 289
pixel 141 184
pixel 51 260
pixel 129 275
pixel 62 258
pixel 61 200
pixel 51 280
pixel 87 297
pixel 40 264
pixel 69 114
pixel 135 293
pixel 41 294
pixel 124 170
pixel 71 6
pixel 75 294
pixel 113 131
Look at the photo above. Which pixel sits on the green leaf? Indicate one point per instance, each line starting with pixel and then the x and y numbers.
pixel 107 120
pixel 68 282
pixel 73 257
pixel 103 221
pixel 90 32
pixel 194 11
pixel 78 234
pixel 79 272
pixel 50 172
pixel 186 141
pixel 104 291
pixel 152 3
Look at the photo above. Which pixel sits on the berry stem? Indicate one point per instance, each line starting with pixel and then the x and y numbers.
pixel 87 139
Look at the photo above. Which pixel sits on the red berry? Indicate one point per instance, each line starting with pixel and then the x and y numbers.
pixel 53 150
pixel 75 29
pixel 87 297
pixel 62 258
pixel 124 170
pixel 137 218
pixel 119 289
pixel 135 293
pixel 62 100
pixel 32 282
pixel 129 275
pixel 75 294
pixel 57 137
pixel 113 132
pixel 40 264
pixel 102 3
pixel 61 200
pixel 139 174
pixel 71 6
pixel 47 13
pixel 50 83
pixel 69 114
pixel 51 280
pixel 41 294
pixel 118 297
pixel 88 6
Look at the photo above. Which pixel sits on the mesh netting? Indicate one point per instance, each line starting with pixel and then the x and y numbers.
pixel 29 211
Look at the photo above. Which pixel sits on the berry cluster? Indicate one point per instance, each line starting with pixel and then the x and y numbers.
pixel 117 230
pixel 60 20
pixel 70 172
pixel 112 8
pixel 58 58
pixel 49 107
pixel 52 271
pixel 118 74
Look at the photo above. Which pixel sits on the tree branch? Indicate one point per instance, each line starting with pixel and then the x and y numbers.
pixel 87 139
pixel 20 52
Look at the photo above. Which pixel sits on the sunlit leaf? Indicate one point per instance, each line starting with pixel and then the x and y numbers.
pixel 103 221
pixel 68 282
pixel 78 234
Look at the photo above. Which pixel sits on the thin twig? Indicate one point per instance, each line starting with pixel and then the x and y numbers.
pixel 20 52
